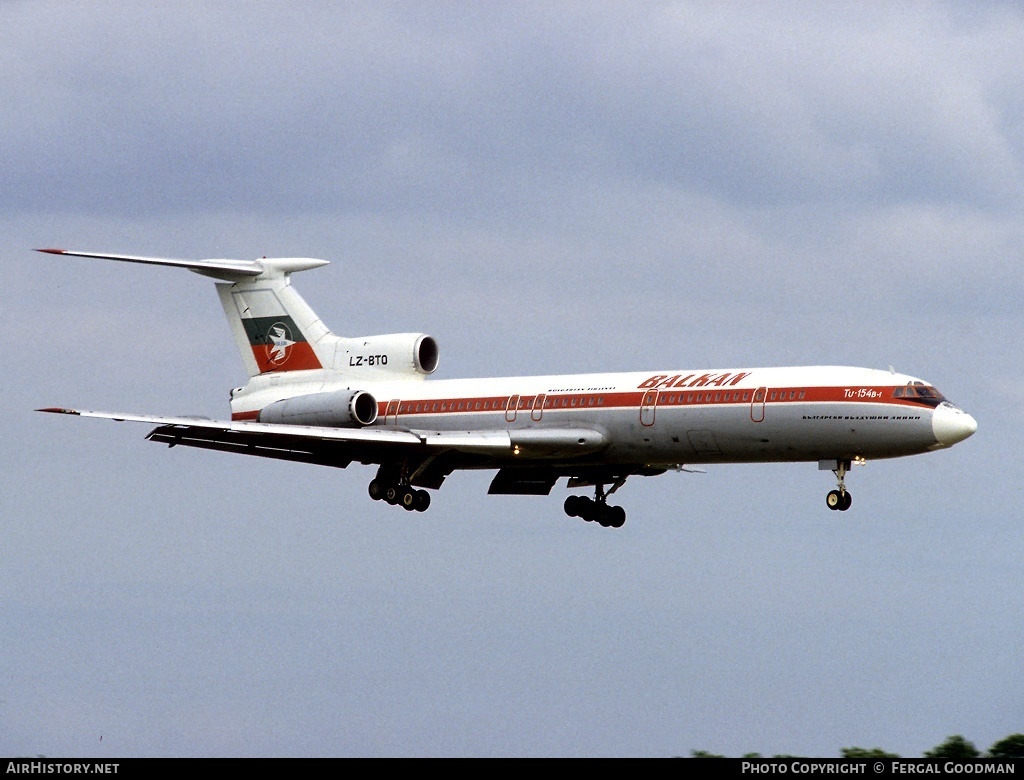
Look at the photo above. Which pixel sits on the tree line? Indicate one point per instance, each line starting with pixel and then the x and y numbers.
pixel 955 746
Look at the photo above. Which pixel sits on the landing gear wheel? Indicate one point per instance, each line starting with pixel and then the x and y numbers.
pixel 589 509
pixel 840 498
pixel 597 509
pixel 839 501
pixel 392 485
pixel 376 490
pixel 574 506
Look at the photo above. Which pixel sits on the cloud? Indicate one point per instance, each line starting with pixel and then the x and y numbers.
pixel 375 107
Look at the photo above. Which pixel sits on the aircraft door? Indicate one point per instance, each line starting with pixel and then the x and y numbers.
pixel 391 412
pixel 757 404
pixel 538 407
pixel 511 408
pixel 647 407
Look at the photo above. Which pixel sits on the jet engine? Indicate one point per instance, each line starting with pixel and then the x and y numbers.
pixel 338 409
pixel 392 353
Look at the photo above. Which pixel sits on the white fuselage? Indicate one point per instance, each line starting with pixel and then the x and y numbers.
pixel 669 417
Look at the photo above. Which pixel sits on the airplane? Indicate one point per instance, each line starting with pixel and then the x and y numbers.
pixel 315 397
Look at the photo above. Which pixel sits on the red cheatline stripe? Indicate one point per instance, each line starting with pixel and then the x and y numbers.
pixel 557 402
pixel 569 401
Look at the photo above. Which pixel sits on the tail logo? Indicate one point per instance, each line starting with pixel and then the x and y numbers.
pixel 279 344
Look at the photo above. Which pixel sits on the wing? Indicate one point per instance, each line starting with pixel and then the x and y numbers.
pixel 340 446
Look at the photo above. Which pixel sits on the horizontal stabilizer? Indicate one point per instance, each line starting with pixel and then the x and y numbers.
pixel 225 269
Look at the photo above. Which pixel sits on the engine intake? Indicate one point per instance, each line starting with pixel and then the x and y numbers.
pixel 339 409
pixel 404 354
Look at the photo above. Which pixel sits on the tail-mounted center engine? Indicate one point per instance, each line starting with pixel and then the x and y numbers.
pixel 340 409
pixel 401 354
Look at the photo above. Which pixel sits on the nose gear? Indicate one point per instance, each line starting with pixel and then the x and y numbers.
pixel 840 498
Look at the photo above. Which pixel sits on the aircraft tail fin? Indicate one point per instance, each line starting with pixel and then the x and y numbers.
pixel 275 330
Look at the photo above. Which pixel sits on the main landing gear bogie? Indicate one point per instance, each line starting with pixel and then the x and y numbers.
pixel 595 511
pixel 398 494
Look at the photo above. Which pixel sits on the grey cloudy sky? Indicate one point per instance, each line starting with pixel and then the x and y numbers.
pixel 544 188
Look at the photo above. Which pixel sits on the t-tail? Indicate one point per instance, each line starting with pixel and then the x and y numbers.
pixel 276 331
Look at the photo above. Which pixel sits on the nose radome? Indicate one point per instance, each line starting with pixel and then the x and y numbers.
pixel 951 425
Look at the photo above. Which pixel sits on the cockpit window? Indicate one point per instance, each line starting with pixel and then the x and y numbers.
pixel 920 392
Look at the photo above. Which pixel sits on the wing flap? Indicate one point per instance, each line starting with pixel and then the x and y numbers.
pixel 260 445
